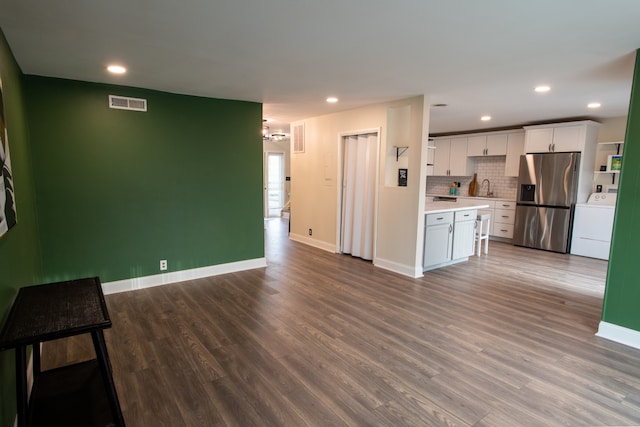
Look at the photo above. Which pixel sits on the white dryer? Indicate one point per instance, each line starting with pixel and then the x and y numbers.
pixel 592 226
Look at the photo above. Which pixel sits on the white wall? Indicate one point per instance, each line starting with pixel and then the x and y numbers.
pixel 613 129
pixel 315 188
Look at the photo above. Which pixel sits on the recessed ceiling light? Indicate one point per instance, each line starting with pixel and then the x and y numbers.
pixel 485 118
pixel 542 88
pixel 332 99
pixel 593 105
pixel 116 69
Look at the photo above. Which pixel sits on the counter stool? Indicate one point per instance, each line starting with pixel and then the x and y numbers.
pixel 482 232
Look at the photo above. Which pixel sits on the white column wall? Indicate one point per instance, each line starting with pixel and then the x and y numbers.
pixel 315 187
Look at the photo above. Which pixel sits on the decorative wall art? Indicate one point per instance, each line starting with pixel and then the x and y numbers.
pixel 7 195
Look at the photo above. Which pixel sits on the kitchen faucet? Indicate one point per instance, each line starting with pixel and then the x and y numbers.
pixel 489 193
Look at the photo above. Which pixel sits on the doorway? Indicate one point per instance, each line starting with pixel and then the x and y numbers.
pixel 274 197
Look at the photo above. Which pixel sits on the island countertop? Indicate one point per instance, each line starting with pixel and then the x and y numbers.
pixel 439 207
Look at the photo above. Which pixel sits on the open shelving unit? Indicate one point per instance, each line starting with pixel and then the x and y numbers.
pixel 604 150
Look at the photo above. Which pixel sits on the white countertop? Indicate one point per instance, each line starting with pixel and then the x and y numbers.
pixel 439 207
pixel 502 199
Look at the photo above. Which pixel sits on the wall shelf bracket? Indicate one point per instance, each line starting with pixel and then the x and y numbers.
pixel 400 150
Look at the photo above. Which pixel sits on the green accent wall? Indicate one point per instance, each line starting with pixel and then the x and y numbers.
pixel 120 190
pixel 622 295
pixel 19 250
pixel 109 193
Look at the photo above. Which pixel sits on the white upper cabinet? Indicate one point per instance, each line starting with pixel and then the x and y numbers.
pixel 450 157
pixel 458 163
pixel 487 145
pixel 441 157
pixel 559 137
pixel 515 148
pixel 476 145
pixel 538 140
pixel 497 145
pixel 570 138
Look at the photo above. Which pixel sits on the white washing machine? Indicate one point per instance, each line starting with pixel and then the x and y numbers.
pixel 592 226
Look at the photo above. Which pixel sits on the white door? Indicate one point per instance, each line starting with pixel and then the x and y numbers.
pixel 358 195
pixel 274 184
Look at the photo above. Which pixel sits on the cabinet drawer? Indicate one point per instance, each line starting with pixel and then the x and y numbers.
pixel 503 230
pixel 504 216
pixel 468 215
pixel 439 218
pixel 506 205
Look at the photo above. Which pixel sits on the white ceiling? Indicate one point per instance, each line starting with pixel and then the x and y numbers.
pixel 479 57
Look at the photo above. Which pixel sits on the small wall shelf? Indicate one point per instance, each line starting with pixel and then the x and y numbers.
pixel 400 150
pixel 606 148
pixel 616 143
pixel 613 175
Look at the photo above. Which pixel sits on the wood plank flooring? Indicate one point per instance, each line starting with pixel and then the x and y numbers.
pixel 321 339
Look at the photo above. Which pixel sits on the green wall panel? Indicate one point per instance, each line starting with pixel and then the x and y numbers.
pixel 622 295
pixel 19 252
pixel 119 190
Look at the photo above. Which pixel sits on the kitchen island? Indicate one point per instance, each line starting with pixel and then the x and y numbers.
pixel 449 232
pixel 501 209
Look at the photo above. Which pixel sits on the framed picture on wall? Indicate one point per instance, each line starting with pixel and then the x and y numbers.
pixel 402 177
pixel 7 195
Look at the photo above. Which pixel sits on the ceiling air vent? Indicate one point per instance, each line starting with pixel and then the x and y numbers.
pixel 126 103
pixel 298 138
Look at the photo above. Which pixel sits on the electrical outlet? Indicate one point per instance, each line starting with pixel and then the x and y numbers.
pixel 163 264
pixel 310 232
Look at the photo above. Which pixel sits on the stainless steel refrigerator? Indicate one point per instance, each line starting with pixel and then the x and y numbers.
pixel 547 192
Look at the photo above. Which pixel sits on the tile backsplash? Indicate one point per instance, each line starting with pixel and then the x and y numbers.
pixel 491 168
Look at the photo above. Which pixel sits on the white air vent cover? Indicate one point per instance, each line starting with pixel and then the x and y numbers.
pixel 298 138
pixel 126 103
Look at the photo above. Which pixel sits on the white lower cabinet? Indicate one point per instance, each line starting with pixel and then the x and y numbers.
pixel 464 228
pixel 502 213
pixel 503 219
pixel 449 238
pixel 438 233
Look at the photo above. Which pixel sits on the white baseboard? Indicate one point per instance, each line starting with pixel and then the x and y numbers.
pixel 329 247
pixel 405 270
pixel 180 276
pixel 619 334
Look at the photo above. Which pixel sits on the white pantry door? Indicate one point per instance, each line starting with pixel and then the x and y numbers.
pixel 358 194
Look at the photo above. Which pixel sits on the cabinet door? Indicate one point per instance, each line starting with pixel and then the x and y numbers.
pixel 538 140
pixel 496 145
pixel 458 160
pixel 437 244
pixel 463 239
pixel 476 146
pixel 441 157
pixel 431 151
pixel 568 138
pixel 515 148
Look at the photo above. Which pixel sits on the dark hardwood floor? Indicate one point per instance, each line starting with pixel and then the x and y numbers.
pixel 322 339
